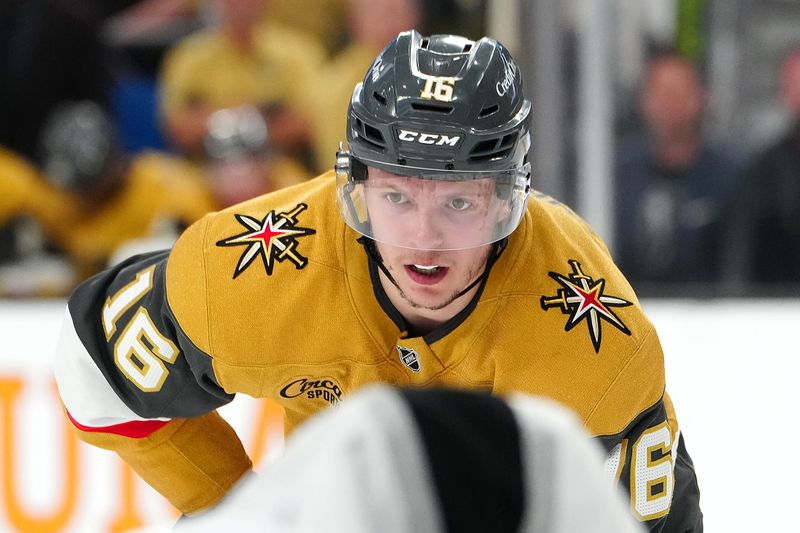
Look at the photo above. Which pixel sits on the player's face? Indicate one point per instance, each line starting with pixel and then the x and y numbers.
pixel 432 219
pixel 427 214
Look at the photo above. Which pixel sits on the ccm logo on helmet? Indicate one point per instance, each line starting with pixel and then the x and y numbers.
pixel 428 138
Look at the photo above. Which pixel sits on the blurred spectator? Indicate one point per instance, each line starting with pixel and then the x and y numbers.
pixel 764 241
pixel 372 24
pixel 29 264
pixel 240 161
pixel 430 461
pixel 673 187
pixel 242 60
pixel 323 20
pixel 113 197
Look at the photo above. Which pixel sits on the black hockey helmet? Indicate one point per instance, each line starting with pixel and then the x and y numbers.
pixel 440 108
pixel 79 146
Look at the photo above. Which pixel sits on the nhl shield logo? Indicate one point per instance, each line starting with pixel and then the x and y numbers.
pixel 410 358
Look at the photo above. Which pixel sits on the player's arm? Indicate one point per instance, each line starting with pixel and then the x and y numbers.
pixel 649 457
pixel 650 460
pixel 131 381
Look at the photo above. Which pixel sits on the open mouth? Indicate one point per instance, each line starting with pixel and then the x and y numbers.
pixel 426 269
pixel 426 274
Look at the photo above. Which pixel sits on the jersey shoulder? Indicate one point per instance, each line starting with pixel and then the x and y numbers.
pixel 246 261
pixel 577 316
pixel 553 242
pixel 557 222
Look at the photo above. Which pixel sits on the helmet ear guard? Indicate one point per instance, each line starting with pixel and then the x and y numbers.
pixel 349 165
pixel 349 171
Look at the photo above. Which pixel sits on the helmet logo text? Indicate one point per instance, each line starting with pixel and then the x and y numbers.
pixel 428 138
pixel 440 89
pixel 507 82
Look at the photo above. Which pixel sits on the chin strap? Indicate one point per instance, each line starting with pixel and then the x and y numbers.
pixel 374 255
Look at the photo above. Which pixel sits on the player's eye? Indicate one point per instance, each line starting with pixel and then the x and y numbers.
pixel 395 197
pixel 460 204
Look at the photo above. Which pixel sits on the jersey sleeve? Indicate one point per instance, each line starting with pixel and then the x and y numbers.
pixel 133 382
pixel 649 457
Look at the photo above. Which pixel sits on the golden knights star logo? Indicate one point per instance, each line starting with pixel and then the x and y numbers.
pixel 274 238
pixel 582 298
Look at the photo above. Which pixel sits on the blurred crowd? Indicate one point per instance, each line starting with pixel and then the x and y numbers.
pixel 122 122
pixel 701 213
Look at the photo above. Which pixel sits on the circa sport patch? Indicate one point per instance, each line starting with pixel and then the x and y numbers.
pixel 581 297
pixel 273 238
pixel 311 388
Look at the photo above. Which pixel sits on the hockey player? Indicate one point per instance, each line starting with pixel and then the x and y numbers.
pixel 423 260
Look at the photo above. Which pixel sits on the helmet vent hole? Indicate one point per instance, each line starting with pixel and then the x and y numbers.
pixel 431 108
pixel 379 97
pixel 467 48
pixel 374 135
pixel 486 111
pixel 484 148
pixel 369 134
pixel 493 149
pixel 425 43
pixel 508 141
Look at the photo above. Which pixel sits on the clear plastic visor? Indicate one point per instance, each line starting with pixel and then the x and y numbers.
pixel 446 211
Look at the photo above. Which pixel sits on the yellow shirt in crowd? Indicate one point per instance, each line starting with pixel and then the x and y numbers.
pixel 207 69
pixel 158 188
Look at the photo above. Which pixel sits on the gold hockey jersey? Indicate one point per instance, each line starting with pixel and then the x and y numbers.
pixel 276 298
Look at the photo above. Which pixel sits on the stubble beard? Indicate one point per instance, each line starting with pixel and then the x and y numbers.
pixel 416 305
pixel 474 272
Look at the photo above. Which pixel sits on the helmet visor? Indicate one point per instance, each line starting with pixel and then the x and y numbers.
pixel 435 211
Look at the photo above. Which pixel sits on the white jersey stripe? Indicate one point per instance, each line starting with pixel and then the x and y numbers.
pixel 86 394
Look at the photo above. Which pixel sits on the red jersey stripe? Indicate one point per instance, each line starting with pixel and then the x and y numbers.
pixel 135 429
